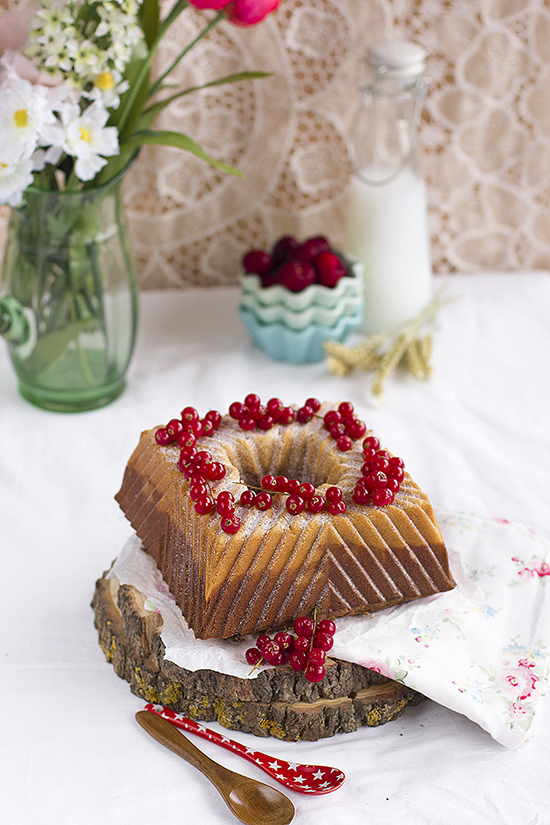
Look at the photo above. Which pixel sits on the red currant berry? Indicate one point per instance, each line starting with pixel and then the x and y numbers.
pixel 361 495
pixel 395 461
pixel 281 483
pixel 337 430
pixel 295 504
pixel 393 485
pixel 366 468
pixel 355 427
pixel 333 494
pixel 306 490
pixel 253 656
pixel 293 486
pixel 284 640
pixel 287 416
pixel 252 400
pixel 203 456
pixel 189 414
pixel 197 490
pixel 344 443
pixel 369 453
pixel 263 501
pixel 269 651
pixel 269 482
pixel 314 673
pixel 162 437
pixel 203 504
pixel 257 262
pixel 187 439
pixel 332 417
pixel 225 503
pixel 188 453
pixel 383 454
pixel 327 626
pixel 247 498
pixel 297 660
pixel 262 640
pixel 316 503
pixel 337 508
pixel 305 414
pixel 323 640
pixel 215 417
pixel 379 463
pixel 397 473
pixel 278 659
pixel 196 426
pixel 345 408
pixel 371 443
pixel 257 411
pixel 265 423
pixel 303 626
pixel 275 407
pixel 207 427
pixel 230 524
pixel 174 428
pixel 380 498
pixel 302 644
pixel 314 403
pixel 246 422
pixel 377 480
pixel 316 656
pixel 236 410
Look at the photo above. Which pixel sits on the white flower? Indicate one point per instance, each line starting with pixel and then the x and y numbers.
pixel 88 139
pixel 14 179
pixel 108 87
pixel 24 111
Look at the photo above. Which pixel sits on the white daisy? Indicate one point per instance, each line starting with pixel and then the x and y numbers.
pixel 24 111
pixel 88 139
pixel 14 179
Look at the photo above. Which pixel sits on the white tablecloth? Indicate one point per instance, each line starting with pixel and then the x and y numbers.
pixel 476 438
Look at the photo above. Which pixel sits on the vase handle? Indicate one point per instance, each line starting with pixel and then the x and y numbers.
pixel 14 325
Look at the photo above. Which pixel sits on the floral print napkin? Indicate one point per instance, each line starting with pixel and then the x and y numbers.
pixel 481 649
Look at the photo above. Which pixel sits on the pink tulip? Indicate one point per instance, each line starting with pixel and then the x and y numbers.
pixel 249 12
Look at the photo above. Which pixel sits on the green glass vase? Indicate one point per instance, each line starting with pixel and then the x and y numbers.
pixel 69 311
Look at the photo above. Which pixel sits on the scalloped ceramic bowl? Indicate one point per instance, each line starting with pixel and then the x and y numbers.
pixel 292 326
pixel 349 287
pixel 299 346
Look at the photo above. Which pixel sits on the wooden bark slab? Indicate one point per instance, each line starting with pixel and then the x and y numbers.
pixel 278 702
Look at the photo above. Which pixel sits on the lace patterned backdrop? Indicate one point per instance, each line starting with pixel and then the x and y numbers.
pixel 485 136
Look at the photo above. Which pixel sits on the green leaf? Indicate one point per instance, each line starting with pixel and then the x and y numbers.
pixel 165 138
pixel 153 111
pixel 51 347
pixel 149 18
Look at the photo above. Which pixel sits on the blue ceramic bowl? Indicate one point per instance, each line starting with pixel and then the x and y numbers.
pixel 299 346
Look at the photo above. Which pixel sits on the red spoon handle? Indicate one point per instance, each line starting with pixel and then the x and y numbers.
pixel 308 779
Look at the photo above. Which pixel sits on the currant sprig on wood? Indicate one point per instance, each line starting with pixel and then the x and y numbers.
pixel 306 651
pixel 381 473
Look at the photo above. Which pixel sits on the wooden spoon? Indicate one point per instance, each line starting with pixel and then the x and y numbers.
pixel 251 801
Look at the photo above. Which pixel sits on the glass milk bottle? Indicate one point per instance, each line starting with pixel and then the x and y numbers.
pixel 386 223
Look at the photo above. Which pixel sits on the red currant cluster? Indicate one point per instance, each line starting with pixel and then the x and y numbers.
pixel 304 652
pixel 344 426
pixel 254 415
pixel 381 475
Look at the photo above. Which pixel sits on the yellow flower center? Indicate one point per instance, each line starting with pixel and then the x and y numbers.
pixel 104 81
pixel 85 134
pixel 21 118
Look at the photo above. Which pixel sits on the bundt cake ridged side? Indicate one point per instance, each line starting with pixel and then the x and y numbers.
pixel 278 565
